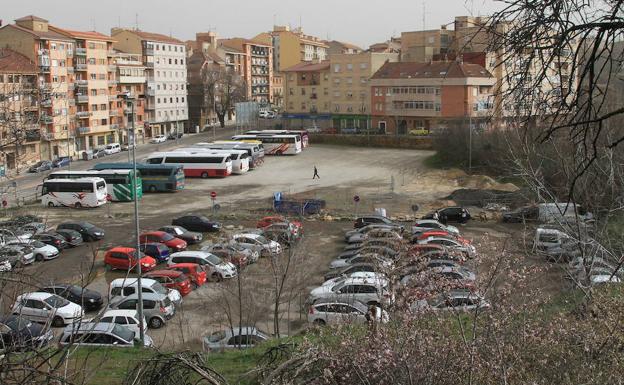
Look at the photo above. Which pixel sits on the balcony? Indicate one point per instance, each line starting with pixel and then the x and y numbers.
pixel 70 70
pixel 113 112
pixel 112 68
pixel 46 103
pixel 112 98
pixel 43 52
pixel 70 53
pixel 82 98
pixel 81 66
pixel 81 52
pixel 71 102
pixel 45 119
pixel 150 92
pixel 149 51
pixel 44 69
pixel 33 135
pixel 81 83
pixel 114 126
pixel 112 82
pixel 149 64
pixel 83 114
pixel 83 130
pixel 48 136
pixel 110 53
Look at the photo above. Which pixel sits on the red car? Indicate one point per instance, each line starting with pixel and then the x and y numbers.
pixel 172 279
pixel 173 243
pixel 125 258
pixel 268 221
pixel 194 271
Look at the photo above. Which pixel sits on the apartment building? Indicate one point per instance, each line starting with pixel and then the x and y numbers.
pixel 411 97
pixel 422 46
pixel 340 47
pixel 201 111
pixel 130 101
pixel 349 87
pixel 53 54
pixel 307 97
pixel 389 46
pixel 257 67
pixel 20 132
pixel 165 60
pixel 291 47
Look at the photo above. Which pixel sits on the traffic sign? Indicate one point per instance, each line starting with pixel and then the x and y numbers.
pixel 415 208
pixel 4 203
pixel 356 198
pixel 213 194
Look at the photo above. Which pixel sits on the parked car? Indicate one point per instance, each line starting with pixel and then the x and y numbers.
pixel 125 258
pixel 173 243
pixel 18 254
pixel 350 269
pixel 15 235
pixel 87 298
pixel 127 147
pixel 43 252
pixel 42 165
pixel 366 220
pixel 19 333
pixel 370 275
pixel 158 139
pixel 61 162
pixel 52 239
pixel 547 237
pixel 157 308
pixel 450 214
pixel 370 292
pixel 158 251
pixel 380 250
pixel 234 338
pixel 218 268
pixel 195 272
pixel 99 153
pixel 257 241
pixel 175 135
pixel 72 237
pixel 268 221
pixel 191 237
pixel 468 249
pixel 171 279
pixel 126 318
pixel 112 148
pixel 228 254
pixel 423 225
pixel 343 312
pixel 375 233
pixel 34 228
pixel 101 334
pixel 521 214
pixel 455 300
pixel 46 307
pixel 378 260
pixel 233 248
pixel 284 233
pixel 124 287
pixel 199 223
pixel 89 231
pixel 374 226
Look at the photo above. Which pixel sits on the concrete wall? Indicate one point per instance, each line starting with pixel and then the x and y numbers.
pixel 383 141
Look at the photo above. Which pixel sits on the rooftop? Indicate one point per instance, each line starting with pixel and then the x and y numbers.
pixel 151 36
pixel 308 67
pixel 410 70
pixel 47 35
pixel 11 61
pixel 89 35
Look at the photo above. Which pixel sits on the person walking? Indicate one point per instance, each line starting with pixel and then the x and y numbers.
pixel 316 175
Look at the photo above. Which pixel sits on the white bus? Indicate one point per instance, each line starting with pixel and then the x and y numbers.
pixel 198 164
pixel 255 149
pixel 275 144
pixel 118 182
pixel 240 158
pixel 81 192
pixel 305 137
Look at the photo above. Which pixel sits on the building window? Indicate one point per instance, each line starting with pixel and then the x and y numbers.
pixel 363 66
pixel 93 92
pixel 336 67
pixel 349 67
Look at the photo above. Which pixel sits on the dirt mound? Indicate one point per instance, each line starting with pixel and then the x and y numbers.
pixel 482 197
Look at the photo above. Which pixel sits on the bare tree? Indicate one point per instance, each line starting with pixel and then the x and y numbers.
pixel 223 88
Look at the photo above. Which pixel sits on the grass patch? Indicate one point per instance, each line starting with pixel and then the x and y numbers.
pixel 436 161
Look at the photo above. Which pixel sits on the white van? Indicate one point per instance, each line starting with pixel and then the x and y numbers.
pixel 562 212
pixel 112 148
pixel 124 287
pixel 127 318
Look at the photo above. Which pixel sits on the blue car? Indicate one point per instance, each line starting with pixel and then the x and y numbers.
pixel 158 251
pixel 61 162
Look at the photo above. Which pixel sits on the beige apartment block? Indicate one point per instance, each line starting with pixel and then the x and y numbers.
pixel 291 47
pixel 349 87
pixel 53 54
pixel 421 46
pixel 307 97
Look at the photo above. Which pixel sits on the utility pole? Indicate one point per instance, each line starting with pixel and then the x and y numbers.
pixel 469 143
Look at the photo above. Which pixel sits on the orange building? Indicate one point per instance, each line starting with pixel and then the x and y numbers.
pixel 420 97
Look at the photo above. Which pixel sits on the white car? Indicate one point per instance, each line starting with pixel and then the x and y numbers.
pixel 252 241
pixel 367 291
pixel 127 318
pixel 234 338
pixel 219 269
pixel 334 312
pixel 423 225
pixel 158 139
pixel 112 148
pixel 469 250
pixel 372 275
pixel 376 259
pixel 46 307
pixel 42 251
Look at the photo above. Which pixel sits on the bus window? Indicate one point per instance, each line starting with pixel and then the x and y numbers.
pixel 100 185
pixel 155 161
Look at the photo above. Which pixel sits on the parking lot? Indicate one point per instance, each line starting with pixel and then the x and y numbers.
pixel 392 179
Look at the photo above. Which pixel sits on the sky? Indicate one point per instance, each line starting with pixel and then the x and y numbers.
pixel 361 22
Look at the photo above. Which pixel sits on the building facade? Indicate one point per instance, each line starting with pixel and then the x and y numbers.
pixel 291 47
pixel 340 47
pixel 307 98
pixel 421 46
pixel 257 66
pixel 20 131
pixel 164 58
pixel 427 97
pixel 130 101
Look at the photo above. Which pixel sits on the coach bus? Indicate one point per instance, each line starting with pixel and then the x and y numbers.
pixel 240 158
pixel 118 182
pixel 305 137
pixel 154 178
pixel 255 151
pixel 275 144
pixel 195 164
pixel 78 193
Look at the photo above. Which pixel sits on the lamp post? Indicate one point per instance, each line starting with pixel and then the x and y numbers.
pixel 130 100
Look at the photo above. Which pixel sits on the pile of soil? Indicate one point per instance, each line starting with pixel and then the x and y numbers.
pixel 481 197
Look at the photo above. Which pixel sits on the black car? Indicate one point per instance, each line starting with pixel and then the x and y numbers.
pixel 19 333
pixel 174 136
pixel 72 237
pixel 450 214
pixel 197 223
pixel 355 268
pixel 190 237
pixel 522 214
pixel 42 165
pixel 52 239
pixel 88 299
pixel 89 231
pixel 366 220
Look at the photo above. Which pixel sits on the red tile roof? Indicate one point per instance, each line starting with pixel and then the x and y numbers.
pixel 14 62
pixel 50 35
pixel 88 35
pixel 410 70
pixel 31 17
pixel 157 37
pixel 308 67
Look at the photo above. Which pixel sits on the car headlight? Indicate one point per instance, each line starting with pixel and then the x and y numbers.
pixel 91 299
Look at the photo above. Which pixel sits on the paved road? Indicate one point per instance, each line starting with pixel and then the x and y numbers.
pixel 27 183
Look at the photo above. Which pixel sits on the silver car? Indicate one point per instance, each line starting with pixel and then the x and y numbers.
pixel 157 308
pixel 456 300
pixel 372 226
pixel 236 337
pixel 335 312
pixel 101 334
pixel 368 291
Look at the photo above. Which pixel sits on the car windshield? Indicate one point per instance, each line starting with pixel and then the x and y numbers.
pixel 167 237
pixel 360 306
pixel 17 323
pixel 261 239
pixel 76 290
pixel 178 230
pixel 217 336
pixel 56 302
pixel 158 288
pixel 123 332
pixel 37 244
pixel 213 259
pixel 87 225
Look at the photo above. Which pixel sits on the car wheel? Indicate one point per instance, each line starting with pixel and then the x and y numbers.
pixel 39 257
pixel 78 205
pixel 319 322
pixel 155 323
pixel 58 322
pixel 152 188
pixel 217 277
pixel 50 204
pixel 204 175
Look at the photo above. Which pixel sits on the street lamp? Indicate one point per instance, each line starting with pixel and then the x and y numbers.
pixel 131 101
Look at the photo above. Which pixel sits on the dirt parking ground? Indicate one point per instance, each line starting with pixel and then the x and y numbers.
pixel 392 179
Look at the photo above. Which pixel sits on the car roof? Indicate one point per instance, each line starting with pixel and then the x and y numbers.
pixel 90 326
pixel 362 281
pixel 148 296
pixel 122 249
pixel 156 232
pixel 122 312
pixel 183 264
pixel 131 281
pixel 36 295
pixel 165 273
pixel 155 244
pixel 235 330
pixel 191 253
